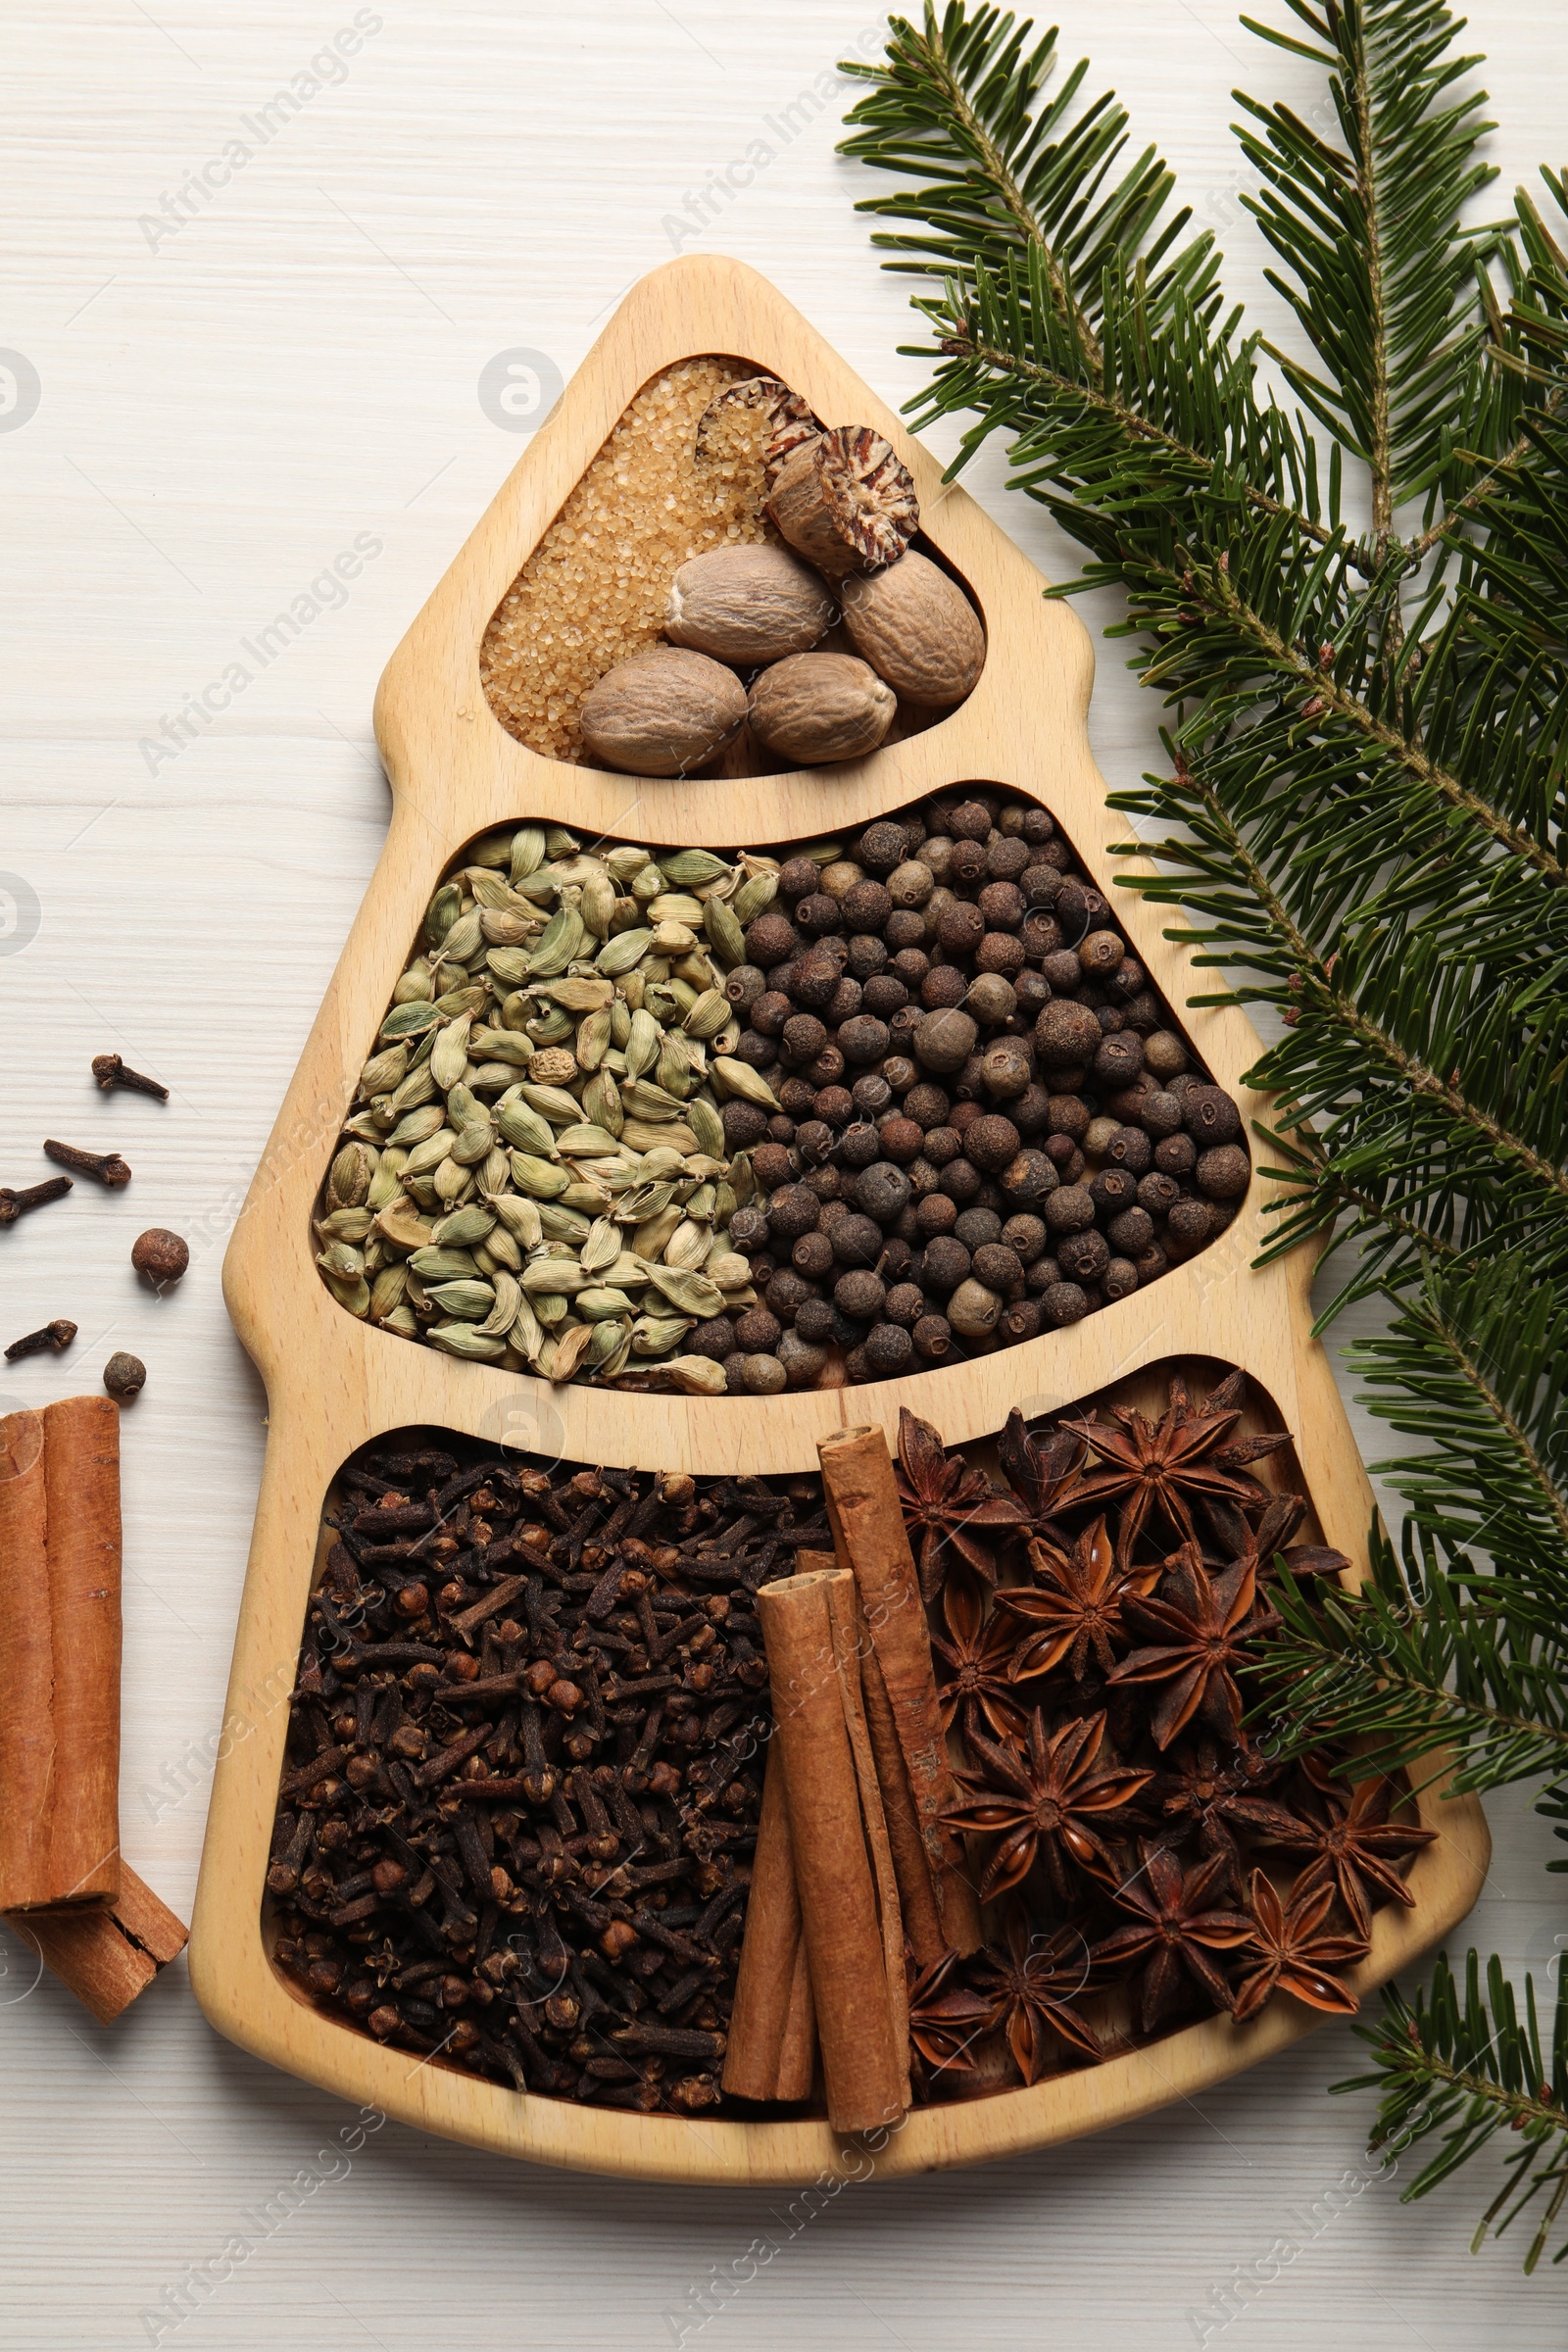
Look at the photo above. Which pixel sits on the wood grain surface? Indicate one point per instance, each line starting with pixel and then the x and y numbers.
pixel 221 414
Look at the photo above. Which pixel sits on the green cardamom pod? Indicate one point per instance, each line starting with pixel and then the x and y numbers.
pixel 349 1178
pixel 508 1298
pixel 473 1144
pixel 583 1141
pixel 645 1100
pixel 692 1293
pixel 469 1300
pixel 642 1044
pixel 388 1290
pixel 562 1277
pixel 560 941
pixel 464 1227
pixel 550 1307
pixel 601 1100
pixel 725 934
pixel 739 1078
pixel 509 965
pixel 502 1252
pixel 487 887
pixel 569 1352
pixel 675 907
pixel 706 1125
pixel 591 1200
pixel 608 1348
pixel 601 1247
pixel 502 1045
pixel 449 1056
pixel 554 1103
pixel 649 1239
pixel 688 1246
pixel 597 905
pixel 621 1019
pixel 617 956
pixel 494 849
pixel 441 912
pixel 465 939
pixel 706 1017
pixel 592 1040
pixel 443 1265
pixel 451 1182
pixel 408 1020
pixel 559 1223
pixel 523 1127
pixel 520 1219
pixel 689 870
pixel 382 1072
pixel 581 993
pixel 418 1127
pixel 752 897
pixel 598 1303
pixel 538 1178
pixel 350 1291
pixel 525 1332
pixel 626 861
pixel 674 1071
pixel 643 1202
pixel 697 1375
pixel 527 854
pixel 461 1339
pixel 728 1269
pixel 342 1261
pixel 655 1335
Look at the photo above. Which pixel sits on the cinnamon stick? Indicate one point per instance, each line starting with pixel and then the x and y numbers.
pixel 772 2031
pixel 849 1645
pixel 869 1534
pixel 864 2065
pixel 26 1666
pixel 106 1953
pixel 60 1641
pixel 82 1475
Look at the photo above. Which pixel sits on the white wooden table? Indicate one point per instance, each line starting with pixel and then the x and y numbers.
pixel 239 375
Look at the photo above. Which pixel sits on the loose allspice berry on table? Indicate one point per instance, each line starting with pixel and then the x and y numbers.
pixel 125 1376
pixel 163 1256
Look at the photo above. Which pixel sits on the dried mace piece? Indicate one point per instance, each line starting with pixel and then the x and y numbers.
pixel 845 501
pixel 917 630
pixel 663 713
pixel 747 605
pixel 159 1254
pixel 816 707
pixel 125 1376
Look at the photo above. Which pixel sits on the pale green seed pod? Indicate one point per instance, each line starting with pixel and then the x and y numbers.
pixel 551 1308
pixel 562 1224
pixel 349 1178
pixel 424 1159
pixel 697 1375
pixel 592 1040
pixel 441 912
pixel 473 1144
pixel 621 952
pixel 675 907
pixel 553 1102
pixel 465 939
pixel 468 1301
pixel 494 849
pixel 597 905
pixel 642 1044
pixel 584 1142
pixel 725 934
pixel 382 1072
pixel 707 1015
pixel 650 1236
pixel 464 1227
pixel 581 993
pixel 550 1025
pixel 503 1313
pixel 700 1207
pixel 688 1246
pixel 503 1252
pixel 621 1019
pixel 494 1171
pixel 347 1225
pixel 739 1078
pixel 525 1129
pixel 549 1277
pixel 418 1126
pixel 728 1269
pixel 488 888
pixel 645 1099
pixel 463 1340
pixel 601 1100
pixel 449 1054
pixel 752 897
pixel 509 965
pixel 388 1292
pixel 646 885
pixel 706 1125
pixel 520 1219
pixel 674 1070
pixel 690 869
pixel 625 861
pixel 452 1182
pixel 342 1261
pixel 538 1178
pixel 655 1335
pixel 384 1185
pixel 601 1247
pixel 692 1294
pixel 614 1358
pixel 599 1303
pixel 569 1352
pixel 352 1292
pixel 409 1019
pixel 412 1091
pixel 527 852
pixel 560 941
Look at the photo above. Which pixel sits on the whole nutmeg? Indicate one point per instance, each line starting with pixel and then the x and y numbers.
pixel 845 500
pixel 663 712
pixel 943 1041
pixel 747 605
pixel 917 630
pixel 124 1375
pixel 812 709
pixel 974 1311
pixel 159 1254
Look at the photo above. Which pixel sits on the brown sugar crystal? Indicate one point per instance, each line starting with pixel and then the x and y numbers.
pixel 596 588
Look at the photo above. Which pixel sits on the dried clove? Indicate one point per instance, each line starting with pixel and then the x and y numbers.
pixel 56 1335
pixel 111 1071
pixel 106 1166
pixel 33 1196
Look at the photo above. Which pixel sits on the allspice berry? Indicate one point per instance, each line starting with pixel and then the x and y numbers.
pixel 974 1310
pixel 125 1376
pixel 945 1041
pixel 1224 1173
pixel 159 1254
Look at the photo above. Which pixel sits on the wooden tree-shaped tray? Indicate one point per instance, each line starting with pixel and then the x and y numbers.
pixel 334 1383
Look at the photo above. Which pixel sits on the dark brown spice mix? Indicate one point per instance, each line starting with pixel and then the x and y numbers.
pixel 523 1773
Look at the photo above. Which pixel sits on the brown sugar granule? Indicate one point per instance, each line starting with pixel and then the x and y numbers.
pixel 595 589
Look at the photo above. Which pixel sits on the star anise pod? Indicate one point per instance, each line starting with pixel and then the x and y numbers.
pixel 945 2018
pixel 1045 1468
pixel 1030 1990
pixel 1053 1801
pixel 1075 1609
pixel 947 1506
pixel 1175 1461
pixel 1354 1846
pixel 1175 1932
pixel 1195 1630
pixel 1282 1516
pixel 979 1654
pixel 1217 1795
pixel 1294 1954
